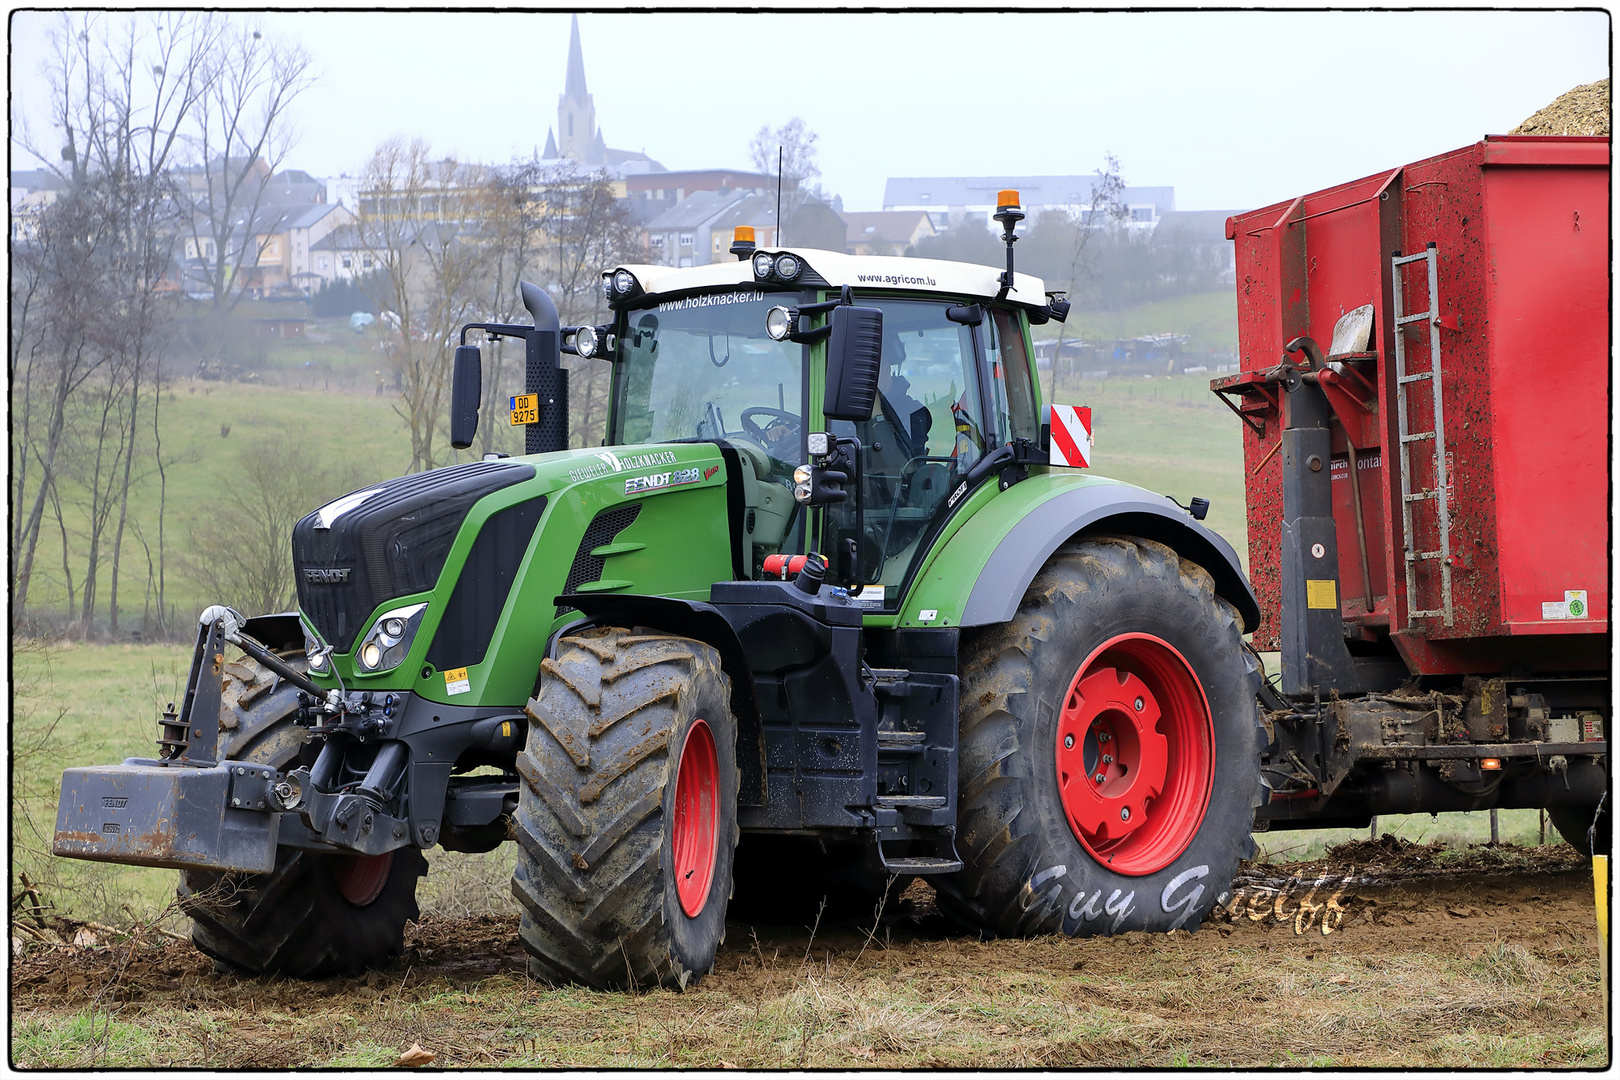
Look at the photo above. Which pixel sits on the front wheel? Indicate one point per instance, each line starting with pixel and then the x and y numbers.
pixel 1110 750
pixel 315 914
pixel 627 817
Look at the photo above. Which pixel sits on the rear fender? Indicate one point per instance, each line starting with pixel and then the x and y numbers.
pixel 701 622
pixel 1102 509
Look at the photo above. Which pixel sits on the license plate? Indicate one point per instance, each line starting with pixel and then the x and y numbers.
pixel 525 409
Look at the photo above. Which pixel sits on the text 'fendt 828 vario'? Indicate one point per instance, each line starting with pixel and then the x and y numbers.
pixel 821 616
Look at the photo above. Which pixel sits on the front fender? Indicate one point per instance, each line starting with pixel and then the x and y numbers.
pixel 1044 512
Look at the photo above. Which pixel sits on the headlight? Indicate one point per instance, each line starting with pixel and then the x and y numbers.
pixel 762 264
pixel 385 645
pixel 801 492
pixel 316 652
pixel 778 323
pixel 788 267
pixel 585 341
pixel 801 475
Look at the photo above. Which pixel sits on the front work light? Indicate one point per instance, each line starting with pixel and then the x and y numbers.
pixel 763 264
pixel 586 341
pixel 624 283
pixel 779 323
pixel 788 267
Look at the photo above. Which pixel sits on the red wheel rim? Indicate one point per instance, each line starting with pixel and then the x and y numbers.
pixel 1135 754
pixel 360 878
pixel 697 818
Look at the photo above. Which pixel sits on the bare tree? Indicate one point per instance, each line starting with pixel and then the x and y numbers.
pixel 240 549
pixel 587 230
pixel 1106 211
pixel 513 209
pixel 792 149
pixel 422 219
pixel 93 268
pixel 239 134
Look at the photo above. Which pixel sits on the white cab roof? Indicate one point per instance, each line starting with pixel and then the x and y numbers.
pixel 887 272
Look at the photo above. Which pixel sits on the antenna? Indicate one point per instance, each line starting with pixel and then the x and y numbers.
pixel 779 195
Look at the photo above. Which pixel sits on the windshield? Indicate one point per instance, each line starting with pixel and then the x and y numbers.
pixel 703 368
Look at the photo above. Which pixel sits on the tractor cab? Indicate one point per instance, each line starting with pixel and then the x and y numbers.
pixel 930 362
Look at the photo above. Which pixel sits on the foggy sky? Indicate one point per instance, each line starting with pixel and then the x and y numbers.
pixel 1234 109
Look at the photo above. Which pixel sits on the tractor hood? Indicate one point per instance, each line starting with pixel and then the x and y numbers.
pixel 455 552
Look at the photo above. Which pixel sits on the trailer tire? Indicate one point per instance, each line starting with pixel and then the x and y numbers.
pixel 313 915
pixel 1118 642
pixel 1573 823
pixel 627 815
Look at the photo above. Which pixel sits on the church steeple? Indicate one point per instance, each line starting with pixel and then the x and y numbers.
pixel 576 112
pixel 575 86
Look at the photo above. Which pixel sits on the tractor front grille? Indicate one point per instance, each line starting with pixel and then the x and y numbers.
pixel 391 543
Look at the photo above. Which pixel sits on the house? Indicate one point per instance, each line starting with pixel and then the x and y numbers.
pixel 291 187
pixel 684 235
pixel 280 245
pixel 756 210
pixel 951 201
pixel 885 232
pixel 339 256
pixel 32 190
pixel 651 193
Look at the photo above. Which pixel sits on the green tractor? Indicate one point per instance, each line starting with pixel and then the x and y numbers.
pixel 820 617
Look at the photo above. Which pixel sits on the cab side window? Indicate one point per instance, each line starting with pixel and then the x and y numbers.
pixel 1011 386
pixel 927 430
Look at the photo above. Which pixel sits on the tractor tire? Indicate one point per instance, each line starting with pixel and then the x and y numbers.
pixel 1584 828
pixel 627 815
pixel 1120 644
pixel 313 915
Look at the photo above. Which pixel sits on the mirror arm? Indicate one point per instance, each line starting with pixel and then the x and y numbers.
pixel 495 330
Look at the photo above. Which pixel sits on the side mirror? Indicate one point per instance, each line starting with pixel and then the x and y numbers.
pixel 466 391
pixel 854 351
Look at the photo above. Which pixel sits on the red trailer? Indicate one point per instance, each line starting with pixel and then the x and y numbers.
pixel 1424 391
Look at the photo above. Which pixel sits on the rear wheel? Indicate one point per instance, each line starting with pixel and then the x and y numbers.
pixel 1584 828
pixel 627 817
pixel 314 914
pixel 1110 750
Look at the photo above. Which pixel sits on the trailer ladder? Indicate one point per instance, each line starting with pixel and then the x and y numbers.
pixel 1437 493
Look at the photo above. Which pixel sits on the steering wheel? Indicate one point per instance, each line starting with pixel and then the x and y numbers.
pixel 757 433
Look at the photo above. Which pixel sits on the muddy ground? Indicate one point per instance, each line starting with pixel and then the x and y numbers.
pixel 1488 957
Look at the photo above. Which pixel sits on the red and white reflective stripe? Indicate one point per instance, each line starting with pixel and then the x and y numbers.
pixel 1070 444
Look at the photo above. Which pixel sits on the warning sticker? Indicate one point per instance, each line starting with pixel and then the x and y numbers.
pixel 870 597
pixel 455 681
pixel 1572 606
pixel 1321 593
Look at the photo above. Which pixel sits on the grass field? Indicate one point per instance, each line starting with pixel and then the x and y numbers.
pixel 1208 319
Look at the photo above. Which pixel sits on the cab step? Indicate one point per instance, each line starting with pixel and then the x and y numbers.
pixel 910 802
pixel 922 865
